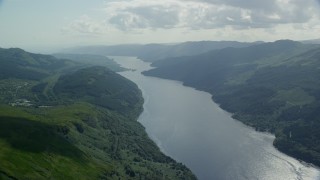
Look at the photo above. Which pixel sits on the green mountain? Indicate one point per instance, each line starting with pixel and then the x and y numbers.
pixel 59 120
pixel 32 67
pixel 155 52
pixel 272 86
pixel 90 60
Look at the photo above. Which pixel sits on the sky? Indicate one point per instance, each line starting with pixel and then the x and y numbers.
pixel 46 25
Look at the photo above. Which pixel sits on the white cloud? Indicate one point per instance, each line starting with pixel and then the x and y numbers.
pixel 217 19
pixel 208 14
pixel 86 25
pixel 140 14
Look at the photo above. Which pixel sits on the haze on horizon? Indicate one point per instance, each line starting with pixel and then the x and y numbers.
pixel 44 26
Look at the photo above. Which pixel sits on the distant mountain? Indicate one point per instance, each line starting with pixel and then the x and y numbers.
pixel 65 120
pixel 221 65
pixel 154 52
pixel 272 87
pixel 311 41
pixel 91 60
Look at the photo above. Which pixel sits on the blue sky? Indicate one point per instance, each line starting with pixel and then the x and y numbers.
pixel 43 25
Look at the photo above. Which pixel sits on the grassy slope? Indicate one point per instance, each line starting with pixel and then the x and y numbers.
pixel 68 134
pixel 272 87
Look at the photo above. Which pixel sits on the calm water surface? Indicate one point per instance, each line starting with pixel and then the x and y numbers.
pixel 189 127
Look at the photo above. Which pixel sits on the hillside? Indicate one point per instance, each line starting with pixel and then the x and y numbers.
pixel 155 52
pixel 32 67
pixel 101 87
pixel 272 87
pixel 91 60
pixel 74 123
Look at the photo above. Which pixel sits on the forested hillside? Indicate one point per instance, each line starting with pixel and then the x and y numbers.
pixel 272 86
pixel 90 60
pixel 59 120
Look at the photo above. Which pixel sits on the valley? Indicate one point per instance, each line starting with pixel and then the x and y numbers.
pixel 61 119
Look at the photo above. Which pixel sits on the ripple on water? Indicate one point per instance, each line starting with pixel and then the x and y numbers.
pixel 188 126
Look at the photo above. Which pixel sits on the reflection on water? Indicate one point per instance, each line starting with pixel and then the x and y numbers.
pixel 188 126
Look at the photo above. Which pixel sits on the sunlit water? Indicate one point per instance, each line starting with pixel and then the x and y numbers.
pixel 189 127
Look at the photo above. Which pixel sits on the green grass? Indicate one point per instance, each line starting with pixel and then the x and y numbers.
pixel 43 143
pixel 294 97
pixel 240 79
pixel 27 165
pixel 36 137
pixel 51 81
pixel 34 150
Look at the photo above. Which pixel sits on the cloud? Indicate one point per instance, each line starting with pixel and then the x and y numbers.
pixel 85 25
pixel 135 15
pixel 145 17
pixel 248 4
pixel 208 14
pixel 271 11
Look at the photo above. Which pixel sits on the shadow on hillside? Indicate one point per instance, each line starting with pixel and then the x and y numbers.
pixel 36 137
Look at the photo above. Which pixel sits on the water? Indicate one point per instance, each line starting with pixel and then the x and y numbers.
pixel 189 127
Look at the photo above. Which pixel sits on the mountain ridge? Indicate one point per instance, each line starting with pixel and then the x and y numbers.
pixel 155 52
